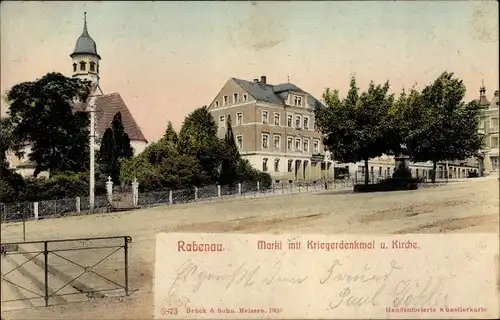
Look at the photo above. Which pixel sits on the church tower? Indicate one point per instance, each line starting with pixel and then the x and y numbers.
pixel 86 59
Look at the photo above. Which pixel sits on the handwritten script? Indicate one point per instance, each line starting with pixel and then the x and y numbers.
pixel 245 280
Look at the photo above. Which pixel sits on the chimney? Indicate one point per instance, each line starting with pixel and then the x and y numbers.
pixel 263 80
pixel 255 80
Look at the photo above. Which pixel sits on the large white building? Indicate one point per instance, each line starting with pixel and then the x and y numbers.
pixel 85 65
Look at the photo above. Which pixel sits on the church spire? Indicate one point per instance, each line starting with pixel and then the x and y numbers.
pixel 85 32
pixel 482 89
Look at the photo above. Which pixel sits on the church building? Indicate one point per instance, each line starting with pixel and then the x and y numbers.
pixel 85 66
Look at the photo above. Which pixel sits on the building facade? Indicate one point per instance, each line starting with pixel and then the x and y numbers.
pixel 489 127
pixel 85 66
pixel 274 128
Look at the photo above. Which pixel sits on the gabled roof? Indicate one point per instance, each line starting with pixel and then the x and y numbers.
pixel 107 106
pixel 269 93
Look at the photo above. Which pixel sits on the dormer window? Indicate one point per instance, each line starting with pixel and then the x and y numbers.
pixel 74 67
pixel 297 101
pixel 92 66
pixel 82 66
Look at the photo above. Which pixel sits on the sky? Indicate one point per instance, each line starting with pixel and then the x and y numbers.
pixel 168 58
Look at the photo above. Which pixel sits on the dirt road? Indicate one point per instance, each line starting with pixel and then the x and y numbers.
pixel 470 206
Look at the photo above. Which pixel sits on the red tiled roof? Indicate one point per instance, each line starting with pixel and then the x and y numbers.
pixel 106 108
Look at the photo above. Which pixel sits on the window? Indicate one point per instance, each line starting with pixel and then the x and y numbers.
pixel 379 171
pixel 316 146
pixel 276 119
pixel 276 165
pixel 225 99
pixel 494 142
pixel 82 66
pixel 494 123
pixel 265 117
pixel 297 144
pixel 235 98
pixel 239 142
pixel 239 119
pixel 97 68
pixel 289 144
pixel 222 121
pixel 290 165
pixel 245 97
pixel 217 104
pixel 289 121
pixel 297 121
pixel 306 145
pixel 297 101
pixel 277 142
pixel 265 141
pixel 74 67
pixel 264 164
pixel 92 66
pixel 306 123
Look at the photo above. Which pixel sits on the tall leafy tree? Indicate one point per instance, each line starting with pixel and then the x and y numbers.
pixel 162 165
pixel 229 166
pixel 115 147
pixel 42 116
pixel 198 137
pixel 358 127
pixel 439 125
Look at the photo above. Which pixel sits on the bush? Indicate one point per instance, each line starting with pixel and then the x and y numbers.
pixel 12 186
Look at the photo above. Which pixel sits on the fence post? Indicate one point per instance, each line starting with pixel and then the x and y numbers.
pixel 291 187
pixel 125 250
pixel 135 192
pixel 219 194
pixel 170 197
pixel 78 206
pixel 46 273
pixel 258 186
pixel 195 193
pixel 109 189
pixel 35 210
pixel 239 189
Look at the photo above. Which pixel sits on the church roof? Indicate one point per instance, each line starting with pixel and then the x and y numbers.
pixel 107 106
pixel 85 44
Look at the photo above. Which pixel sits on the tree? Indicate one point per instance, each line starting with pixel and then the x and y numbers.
pixel 198 138
pixel 115 147
pixel 229 166
pixel 439 125
pixel 170 135
pixel 358 127
pixel 42 116
pixel 162 165
pixel 11 184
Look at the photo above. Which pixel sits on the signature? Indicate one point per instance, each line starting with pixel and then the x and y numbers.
pixel 190 272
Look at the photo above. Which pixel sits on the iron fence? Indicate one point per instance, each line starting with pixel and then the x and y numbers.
pixel 56 208
pixel 43 273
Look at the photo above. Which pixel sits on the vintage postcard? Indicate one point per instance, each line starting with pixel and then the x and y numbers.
pixel 249 160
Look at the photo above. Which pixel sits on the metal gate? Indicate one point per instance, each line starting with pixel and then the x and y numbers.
pixel 43 273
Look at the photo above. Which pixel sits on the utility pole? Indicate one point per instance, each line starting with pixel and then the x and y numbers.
pixel 91 109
